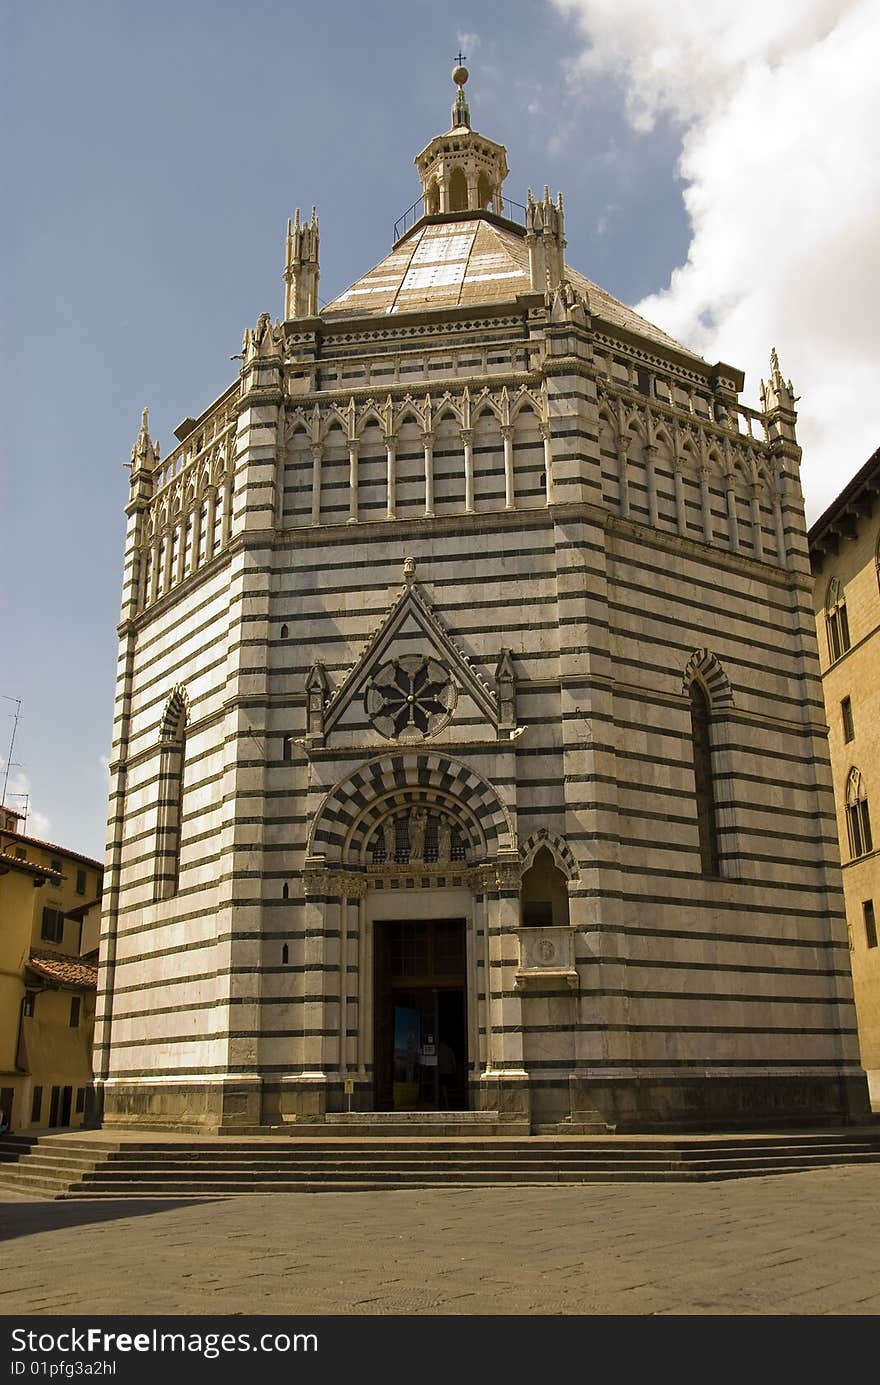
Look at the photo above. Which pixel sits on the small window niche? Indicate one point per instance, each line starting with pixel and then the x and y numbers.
pixel 544 893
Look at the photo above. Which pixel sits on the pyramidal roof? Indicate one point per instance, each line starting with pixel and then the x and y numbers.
pixel 464 251
pixel 450 263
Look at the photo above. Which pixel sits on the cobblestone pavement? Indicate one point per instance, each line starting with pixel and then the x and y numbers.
pixel 805 1243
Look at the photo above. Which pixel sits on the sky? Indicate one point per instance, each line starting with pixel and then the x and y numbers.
pixel 720 166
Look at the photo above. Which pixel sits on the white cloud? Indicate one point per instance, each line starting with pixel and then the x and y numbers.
pixel 104 762
pixel 779 110
pixel 18 796
pixel 467 43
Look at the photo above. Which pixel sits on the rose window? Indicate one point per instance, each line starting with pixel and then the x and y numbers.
pixel 411 698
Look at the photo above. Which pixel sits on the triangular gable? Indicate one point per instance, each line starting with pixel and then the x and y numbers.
pixel 411 618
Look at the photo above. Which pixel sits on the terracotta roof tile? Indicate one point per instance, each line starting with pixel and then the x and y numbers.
pixel 64 971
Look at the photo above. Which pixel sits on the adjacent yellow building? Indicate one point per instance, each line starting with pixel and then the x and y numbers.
pixel 49 922
pixel 845 555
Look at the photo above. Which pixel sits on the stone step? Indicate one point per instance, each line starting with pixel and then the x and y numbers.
pixel 502 1163
pixel 55 1166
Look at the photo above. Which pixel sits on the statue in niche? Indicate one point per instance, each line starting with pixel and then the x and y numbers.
pixel 444 840
pixel 418 823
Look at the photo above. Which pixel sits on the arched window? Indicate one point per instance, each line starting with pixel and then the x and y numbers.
pixel 432 198
pixel 858 819
pixel 704 778
pixel 544 893
pixel 458 192
pixel 172 765
pixel 836 623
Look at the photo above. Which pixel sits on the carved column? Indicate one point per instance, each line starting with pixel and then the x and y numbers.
pixel 353 480
pixel 227 513
pixel 350 967
pixel 509 489
pixel 706 503
pixel 428 444
pixel 651 477
pixel 678 482
pixel 181 549
pixel 732 519
pixel 211 524
pixel 757 528
pixel 548 461
pixel 195 556
pixel 317 899
pixel 779 525
pixel 467 438
pixel 391 473
pixel 506 1070
pixel 316 483
pixel 623 462
pixel 166 560
pixel 365 990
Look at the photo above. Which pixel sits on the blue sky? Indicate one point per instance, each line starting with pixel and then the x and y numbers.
pixel 153 155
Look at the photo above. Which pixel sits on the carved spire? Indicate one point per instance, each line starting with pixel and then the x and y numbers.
pixel 145 453
pixel 545 238
pixel 301 268
pixel 461 116
pixel 776 394
pixel 464 173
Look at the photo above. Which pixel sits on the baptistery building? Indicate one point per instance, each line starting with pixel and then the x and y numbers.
pixel 469 749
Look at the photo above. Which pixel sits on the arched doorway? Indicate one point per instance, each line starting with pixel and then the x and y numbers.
pixel 414 863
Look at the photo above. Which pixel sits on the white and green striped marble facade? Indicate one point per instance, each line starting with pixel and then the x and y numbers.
pixel 573 522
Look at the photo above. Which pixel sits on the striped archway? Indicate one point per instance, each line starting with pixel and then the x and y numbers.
pixel 353 808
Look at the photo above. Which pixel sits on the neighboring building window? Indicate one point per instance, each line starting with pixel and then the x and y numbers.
pixel 847 717
pixel 704 778
pixel 80 882
pixel 52 929
pixel 56 865
pixel 20 853
pixel 30 1003
pixel 858 819
pixel 75 1006
pixel 870 923
pixel 836 623
pixel 172 766
pixel 36 1104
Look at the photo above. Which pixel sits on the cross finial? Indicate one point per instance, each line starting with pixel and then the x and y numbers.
pixel 461 58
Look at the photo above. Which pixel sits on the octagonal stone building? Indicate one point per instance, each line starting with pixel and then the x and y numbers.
pixel 469 750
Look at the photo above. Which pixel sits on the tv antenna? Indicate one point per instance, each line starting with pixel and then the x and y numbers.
pixel 15 715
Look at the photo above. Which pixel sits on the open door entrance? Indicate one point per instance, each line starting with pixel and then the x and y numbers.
pixel 421 1016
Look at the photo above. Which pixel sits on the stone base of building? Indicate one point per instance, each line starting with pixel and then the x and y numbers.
pixel 654 1105
pixel 639 1106
pixel 203 1107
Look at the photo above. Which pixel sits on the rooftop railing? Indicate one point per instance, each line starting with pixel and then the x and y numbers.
pixel 514 211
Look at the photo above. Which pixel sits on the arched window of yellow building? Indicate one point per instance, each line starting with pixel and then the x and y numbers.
pixel 858 818
pixel 836 623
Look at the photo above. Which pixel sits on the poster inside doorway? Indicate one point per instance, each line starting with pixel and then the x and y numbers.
pixel 407 1043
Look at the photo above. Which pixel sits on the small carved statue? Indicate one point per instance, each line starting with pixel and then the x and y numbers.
pixel 444 840
pixel 418 823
